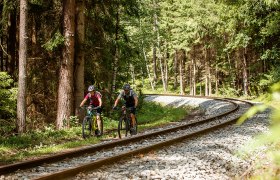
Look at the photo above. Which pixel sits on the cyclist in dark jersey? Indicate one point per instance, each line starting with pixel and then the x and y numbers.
pixel 95 101
pixel 131 101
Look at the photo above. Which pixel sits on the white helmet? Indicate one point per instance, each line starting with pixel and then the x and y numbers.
pixel 91 88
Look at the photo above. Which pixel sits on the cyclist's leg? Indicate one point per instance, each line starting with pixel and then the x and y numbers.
pixel 133 121
pixel 132 115
pixel 98 118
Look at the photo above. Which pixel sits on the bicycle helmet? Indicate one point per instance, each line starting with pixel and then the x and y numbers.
pixel 126 87
pixel 91 88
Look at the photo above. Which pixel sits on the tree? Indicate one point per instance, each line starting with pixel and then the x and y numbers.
pixel 80 55
pixel 21 100
pixel 65 87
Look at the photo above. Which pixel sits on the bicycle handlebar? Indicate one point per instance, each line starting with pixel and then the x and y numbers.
pixel 128 108
pixel 90 106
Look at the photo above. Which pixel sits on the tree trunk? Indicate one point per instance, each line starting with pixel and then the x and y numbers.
pixel 194 77
pixel 1 54
pixel 34 36
pixel 182 61
pixel 209 79
pixel 65 87
pixel 217 80
pixel 116 58
pixel 155 64
pixel 11 43
pixel 21 99
pixel 175 67
pixel 166 70
pixel 162 74
pixel 79 57
pixel 190 78
pixel 1 41
pixel 148 70
pixel 161 64
pixel 245 73
pixel 206 72
pixel 154 44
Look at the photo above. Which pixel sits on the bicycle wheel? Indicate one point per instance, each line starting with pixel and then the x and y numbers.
pixel 87 127
pixel 123 127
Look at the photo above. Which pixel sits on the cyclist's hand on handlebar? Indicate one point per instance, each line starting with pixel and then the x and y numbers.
pixel 114 108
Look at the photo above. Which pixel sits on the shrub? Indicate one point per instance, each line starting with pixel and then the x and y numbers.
pixel 8 97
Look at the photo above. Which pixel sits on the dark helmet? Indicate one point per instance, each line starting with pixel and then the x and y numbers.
pixel 126 87
pixel 91 88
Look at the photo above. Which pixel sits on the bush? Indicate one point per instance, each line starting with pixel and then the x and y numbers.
pixel 8 97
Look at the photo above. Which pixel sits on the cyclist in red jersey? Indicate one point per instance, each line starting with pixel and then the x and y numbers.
pixel 95 101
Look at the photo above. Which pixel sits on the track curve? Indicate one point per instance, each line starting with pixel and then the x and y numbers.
pixel 104 161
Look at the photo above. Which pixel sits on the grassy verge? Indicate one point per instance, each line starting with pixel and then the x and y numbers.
pixel 47 141
pixel 268 164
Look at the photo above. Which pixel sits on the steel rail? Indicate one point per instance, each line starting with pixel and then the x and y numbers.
pixel 75 153
pixel 110 160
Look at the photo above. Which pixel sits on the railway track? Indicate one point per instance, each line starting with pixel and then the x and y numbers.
pixel 71 163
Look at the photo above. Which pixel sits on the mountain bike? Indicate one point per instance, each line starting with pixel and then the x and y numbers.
pixel 90 122
pixel 125 123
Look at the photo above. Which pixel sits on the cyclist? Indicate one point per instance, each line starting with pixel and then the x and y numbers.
pixel 131 102
pixel 95 101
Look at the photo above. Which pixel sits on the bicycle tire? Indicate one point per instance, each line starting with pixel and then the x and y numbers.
pixel 87 127
pixel 123 127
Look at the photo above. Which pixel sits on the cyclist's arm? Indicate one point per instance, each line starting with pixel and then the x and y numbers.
pixel 116 102
pixel 135 101
pixel 118 99
pixel 100 101
pixel 83 102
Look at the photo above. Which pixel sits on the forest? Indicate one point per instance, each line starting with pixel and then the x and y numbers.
pixel 51 51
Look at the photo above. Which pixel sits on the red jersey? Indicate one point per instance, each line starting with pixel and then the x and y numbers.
pixel 94 99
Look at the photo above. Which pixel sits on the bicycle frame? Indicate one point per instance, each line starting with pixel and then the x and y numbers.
pixel 90 122
pixel 91 112
pixel 125 121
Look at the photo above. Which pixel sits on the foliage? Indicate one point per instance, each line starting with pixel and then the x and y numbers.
pixel 56 41
pixel 269 79
pixel 269 139
pixel 8 96
pixel 228 92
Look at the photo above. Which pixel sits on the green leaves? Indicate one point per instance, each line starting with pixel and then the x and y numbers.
pixel 54 42
pixel 8 96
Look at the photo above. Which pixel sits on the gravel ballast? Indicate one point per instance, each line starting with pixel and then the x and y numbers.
pixel 210 156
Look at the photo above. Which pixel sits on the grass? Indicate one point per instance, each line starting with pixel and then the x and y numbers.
pixel 48 141
pixel 268 166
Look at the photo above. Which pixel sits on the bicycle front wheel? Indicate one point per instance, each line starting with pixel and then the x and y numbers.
pixel 87 127
pixel 123 127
